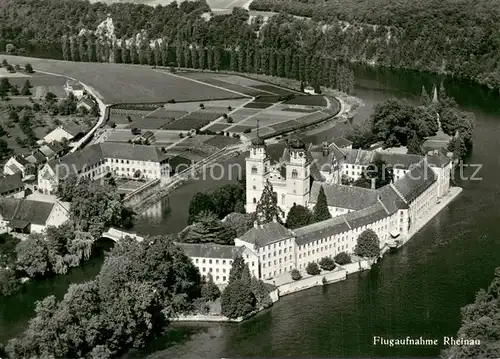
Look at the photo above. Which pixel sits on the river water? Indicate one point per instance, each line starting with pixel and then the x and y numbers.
pixel 417 291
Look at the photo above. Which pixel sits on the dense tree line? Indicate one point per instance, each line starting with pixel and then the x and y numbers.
pixel 480 321
pixel 139 286
pixel 457 37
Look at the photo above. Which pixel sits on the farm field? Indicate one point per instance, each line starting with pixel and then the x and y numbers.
pixel 41 84
pixel 219 127
pixel 309 100
pixel 121 83
pixel 186 124
pixel 259 105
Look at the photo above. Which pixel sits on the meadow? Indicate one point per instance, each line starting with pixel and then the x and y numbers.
pixel 121 83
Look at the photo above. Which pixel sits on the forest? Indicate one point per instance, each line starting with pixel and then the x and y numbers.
pixel 455 37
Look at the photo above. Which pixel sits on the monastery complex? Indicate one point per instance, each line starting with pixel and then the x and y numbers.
pixel 271 249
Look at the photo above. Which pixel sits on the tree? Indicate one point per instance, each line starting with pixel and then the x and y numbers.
pixel 240 222
pixel 50 98
pixel 207 228
pixel 299 216
pixel 201 202
pixel 33 256
pixel 261 293
pixel 295 274
pixel 237 269
pixel 8 282
pixel 5 84
pixel 414 146
pixel 326 263
pixel 481 322
pixel 368 244
pixel 267 208
pixel 25 90
pixel 237 300
pixel 312 268
pixel 424 97
pixel 342 258
pixel 379 172
pixel 209 289
pixel 320 210
pixel 246 277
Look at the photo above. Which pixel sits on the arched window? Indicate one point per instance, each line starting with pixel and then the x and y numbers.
pixel 294 174
pixel 254 200
pixel 254 170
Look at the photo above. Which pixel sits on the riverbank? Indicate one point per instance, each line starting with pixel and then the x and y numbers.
pixel 286 286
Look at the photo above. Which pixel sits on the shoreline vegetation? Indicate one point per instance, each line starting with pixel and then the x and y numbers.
pixel 443 37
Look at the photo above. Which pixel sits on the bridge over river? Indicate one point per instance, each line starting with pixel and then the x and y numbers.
pixel 117 235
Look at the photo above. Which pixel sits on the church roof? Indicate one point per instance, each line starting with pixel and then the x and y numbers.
pixel 265 234
pixel 258 141
pixel 350 197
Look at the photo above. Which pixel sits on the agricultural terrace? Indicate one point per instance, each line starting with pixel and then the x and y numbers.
pixel 122 83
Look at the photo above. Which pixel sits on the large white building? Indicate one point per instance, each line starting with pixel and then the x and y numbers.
pixel 390 211
pixel 26 216
pixel 95 161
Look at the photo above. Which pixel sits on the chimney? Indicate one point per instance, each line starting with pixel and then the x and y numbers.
pixel 256 224
pixel 373 183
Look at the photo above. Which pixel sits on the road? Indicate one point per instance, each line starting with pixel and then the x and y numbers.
pixel 102 110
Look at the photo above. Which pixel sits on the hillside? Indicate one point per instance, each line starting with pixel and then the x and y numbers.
pixel 458 37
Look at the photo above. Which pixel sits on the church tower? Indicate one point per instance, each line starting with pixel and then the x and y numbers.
pixel 257 167
pixel 298 171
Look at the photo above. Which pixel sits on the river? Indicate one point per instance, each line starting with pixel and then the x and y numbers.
pixel 417 291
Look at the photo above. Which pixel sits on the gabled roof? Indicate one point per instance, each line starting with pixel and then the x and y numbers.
pixel 36 158
pixel 415 182
pixel 96 153
pixel 55 147
pixel 203 250
pixel 46 151
pixel 365 216
pixel 73 129
pixel 263 235
pixel 11 182
pixel 350 197
pixel 21 160
pixel 390 199
pixel 322 229
pixel 23 210
pixel 85 101
pixel 341 142
pixel 438 159
pixel 365 158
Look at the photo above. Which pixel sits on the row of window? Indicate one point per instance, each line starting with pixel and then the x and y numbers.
pixel 144 163
pixel 223 261
pixel 275 262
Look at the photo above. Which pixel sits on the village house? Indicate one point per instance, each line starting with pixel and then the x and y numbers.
pixel 15 164
pixel 95 161
pixel 12 185
pixel 85 103
pixel 74 87
pixel 69 131
pixel 27 216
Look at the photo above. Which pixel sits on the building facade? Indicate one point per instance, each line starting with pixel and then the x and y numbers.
pixel 391 211
pixel 95 161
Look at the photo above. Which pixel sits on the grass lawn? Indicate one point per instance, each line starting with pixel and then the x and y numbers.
pixel 240 128
pixel 203 115
pixel 284 125
pixel 121 83
pixel 186 124
pixel 309 100
pixel 222 141
pixel 302 110
pixel 245 112
pixel 268 99
pixel 273 89
pixel 151 123
pixel 312 118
